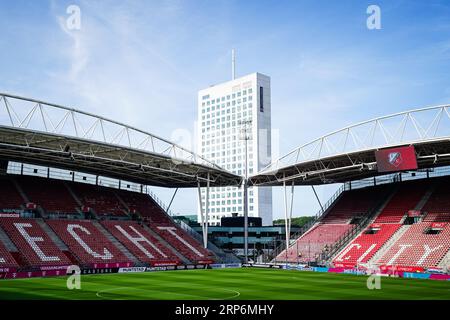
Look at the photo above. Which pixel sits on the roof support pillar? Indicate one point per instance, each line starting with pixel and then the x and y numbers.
pixel 288 213
pixel 202 216
pixel 317 198
pixel 171 200
pixel 245 194
pixel 204 211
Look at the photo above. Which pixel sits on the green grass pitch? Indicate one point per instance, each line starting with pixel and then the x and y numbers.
pixel 227 284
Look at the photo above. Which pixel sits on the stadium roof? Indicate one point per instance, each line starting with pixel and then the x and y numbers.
pixel 349 153
pixel 37 132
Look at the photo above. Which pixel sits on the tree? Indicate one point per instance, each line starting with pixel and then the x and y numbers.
pixel 297 221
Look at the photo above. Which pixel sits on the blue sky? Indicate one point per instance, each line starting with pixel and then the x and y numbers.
pixel 143 62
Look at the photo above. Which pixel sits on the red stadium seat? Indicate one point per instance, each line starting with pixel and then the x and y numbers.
pixel 333 226
pixel 140 242
pixel 405 199
pixel 310 245
pixel 33 242
pixel 6 259
pixel 52 195
pixel 183 243
pixel 159 222
pixel 101 199
pixel 437 208
pixel 86 242
pixel 142 204
pixel 352 204
pixel 417 248
pixel 362 249
pixel 10 198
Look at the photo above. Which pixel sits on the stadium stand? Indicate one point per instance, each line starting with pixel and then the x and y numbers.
pixel 33 243
pixel 421 245
pixel 6 259
pixel 157 240
pixel 307 248
pixel 183 243
pixel 10 198
pixel 158 221
pixel 437 207
pixel 352 204
pixel 86 242
pixel 333 226
pixel 140 243
pixel 366 245
pixel 140 203
pixel 102 200
pixel 406 198
pixel 426 242
pixel 437 217
pixel 51 195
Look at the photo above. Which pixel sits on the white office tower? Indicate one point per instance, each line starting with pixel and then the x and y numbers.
pixel 224 112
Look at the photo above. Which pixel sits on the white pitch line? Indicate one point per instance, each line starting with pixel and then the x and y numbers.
pixel 237 294
pixel 99 293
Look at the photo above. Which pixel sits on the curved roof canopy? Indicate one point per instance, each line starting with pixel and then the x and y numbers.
pixel 349 153
pixel 37 132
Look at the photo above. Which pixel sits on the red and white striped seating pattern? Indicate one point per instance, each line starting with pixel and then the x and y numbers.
pixel 333 226
pixel 160 223
pixel 6 259
pixel 415 248
pixel 140 242
pixel 366 245
pixel 87 242
pixel 33 242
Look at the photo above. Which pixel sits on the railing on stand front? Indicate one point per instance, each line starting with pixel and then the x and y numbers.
pixel 159 202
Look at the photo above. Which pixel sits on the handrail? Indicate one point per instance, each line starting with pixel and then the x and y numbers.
pixel 159 202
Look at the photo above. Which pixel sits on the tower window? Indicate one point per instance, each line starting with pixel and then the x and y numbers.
pixel 261 100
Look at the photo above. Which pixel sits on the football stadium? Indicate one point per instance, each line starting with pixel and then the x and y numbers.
pixel 77 221
pixel 133 168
